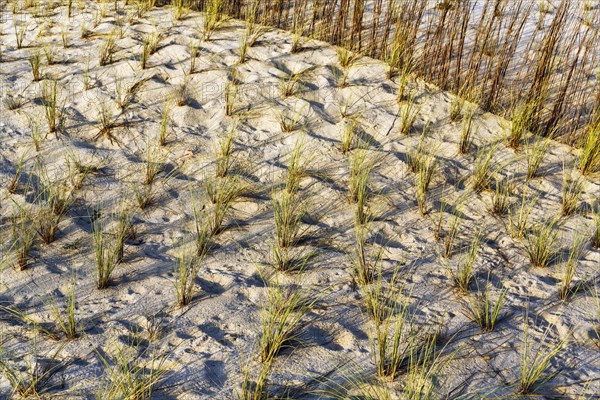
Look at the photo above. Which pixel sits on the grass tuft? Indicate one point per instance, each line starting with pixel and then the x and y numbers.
pixel 536 362
pixel 484 310
pixel 540 243
pixel 589 158
pixel 571 191
pixel 464 274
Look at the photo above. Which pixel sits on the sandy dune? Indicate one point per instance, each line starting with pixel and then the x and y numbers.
pixel 204 346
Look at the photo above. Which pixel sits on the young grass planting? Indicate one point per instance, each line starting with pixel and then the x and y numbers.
pixel 571 191
pixel 467 131
pixel 50 101
pixel 187 270
pixel 464 273
pixel 484 309
pixel 540 243
pixel 535 156
pixel 536 360
pixel 283 319
pixel 299 199
pixel 106 255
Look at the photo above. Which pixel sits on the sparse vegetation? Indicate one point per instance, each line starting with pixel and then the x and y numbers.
pixel 262 192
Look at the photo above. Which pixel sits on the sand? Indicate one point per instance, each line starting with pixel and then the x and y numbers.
pixel 209 340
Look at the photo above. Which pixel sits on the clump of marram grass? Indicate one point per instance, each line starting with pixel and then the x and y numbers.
pixel 500 197
pixel 223 153
pixel 589 157
pixel 485 310
pixel 291 85
pixel 297 166
pixel 286 214
pixel 347 59
pixel 187 269
pixel 163 135
pixel 456 107
pixel 416 155
pixel 181 95
pixel 230 93
pixel 365 260
pixel 201 230
pixel 450 234
pixel 35 60
pixel 150 44
pixel 153 163
pixel 50 101
pixel 464 273
pixel 595 237
pixel 132 371
pixel 107 122
pixel 422 373
pixel 12 101
pixel 290 120
pixel 222 192
pixel 65 317
pixel 425 367
pixel 30 375
pixel 13 184
pixel 389 313
pixel 348 136
pixel 181 9
pixel 571 191
pixel 36 136
pixel 194 52
pixel 79 170
pixel 49 54
pixel 405 74
pixel 358 187
pixel 423 180
pixel 107 252
pixel 540 243
pixel 20 30
pixel 243 48
pixel 522 121
pixel 254 383
pixel 535 362
pixel 54 201
pixel 482 174
pixel 535 155
pixel 213 18
pixel 125 93
pixel 466 139
pixel 408 115
pixel 576 252
pixel 518 218
pixel 283 318
pixel 23 233
pixel 108 49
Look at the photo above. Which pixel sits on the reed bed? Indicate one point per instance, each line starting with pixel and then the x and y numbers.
pixel 482 50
